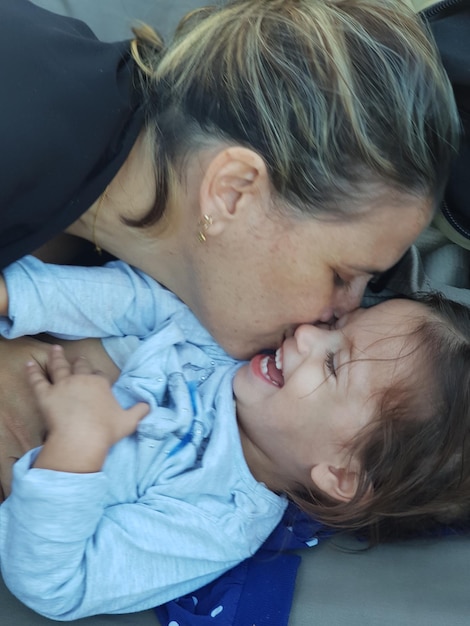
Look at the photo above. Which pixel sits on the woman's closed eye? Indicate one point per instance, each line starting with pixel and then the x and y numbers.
pixel 341 282
pixel 330 363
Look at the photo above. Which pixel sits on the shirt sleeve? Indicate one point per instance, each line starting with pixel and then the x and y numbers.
pixel 66 555
pixel 76 302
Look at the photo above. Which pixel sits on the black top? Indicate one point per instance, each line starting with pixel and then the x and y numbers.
pixel 450 23
pixel 69 115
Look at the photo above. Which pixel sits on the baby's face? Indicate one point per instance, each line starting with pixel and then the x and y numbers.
pixel 300 407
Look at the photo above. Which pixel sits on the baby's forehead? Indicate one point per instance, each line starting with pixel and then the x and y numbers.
pixel 386 334
pixel 407 314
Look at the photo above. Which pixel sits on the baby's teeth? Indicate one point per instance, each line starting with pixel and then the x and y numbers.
pixel 279 359
pixel 264 366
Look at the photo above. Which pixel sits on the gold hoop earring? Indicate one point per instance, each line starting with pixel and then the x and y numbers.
pixel 204 224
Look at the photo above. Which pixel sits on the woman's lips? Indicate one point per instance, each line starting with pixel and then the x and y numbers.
pixel 269 368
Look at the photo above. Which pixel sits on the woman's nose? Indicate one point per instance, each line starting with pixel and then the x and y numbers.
pixel 327 315
pixel 349 299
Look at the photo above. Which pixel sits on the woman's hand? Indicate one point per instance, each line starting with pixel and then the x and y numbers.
pixel 17 436
pixel 21 425
pixel 82 417
pixel 3 296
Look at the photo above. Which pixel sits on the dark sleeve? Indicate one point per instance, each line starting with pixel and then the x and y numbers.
pixel 69 116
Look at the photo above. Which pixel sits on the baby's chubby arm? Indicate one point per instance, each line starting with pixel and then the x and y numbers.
pixel 75 302
pixel 82 416
pixel 97 550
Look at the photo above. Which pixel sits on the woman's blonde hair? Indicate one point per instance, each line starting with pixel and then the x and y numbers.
pixel 343 99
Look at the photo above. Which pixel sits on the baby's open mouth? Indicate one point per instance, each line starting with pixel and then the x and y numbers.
pixel 271 368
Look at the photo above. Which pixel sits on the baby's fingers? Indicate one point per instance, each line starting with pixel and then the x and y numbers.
pixel 81 365
pixel 58 367
pixel 138 411
pixel 130 419
pixel 37 378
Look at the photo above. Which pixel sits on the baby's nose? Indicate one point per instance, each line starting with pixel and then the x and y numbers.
pixel 309 337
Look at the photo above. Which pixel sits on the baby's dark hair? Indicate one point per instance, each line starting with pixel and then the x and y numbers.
pixel 415 456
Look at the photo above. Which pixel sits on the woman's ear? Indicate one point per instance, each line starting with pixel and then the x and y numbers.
pixel 236 180
pixel 340 483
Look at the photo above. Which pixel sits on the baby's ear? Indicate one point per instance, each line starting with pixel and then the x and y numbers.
pixel 340 483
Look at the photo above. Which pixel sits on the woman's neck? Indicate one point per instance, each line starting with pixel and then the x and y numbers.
pixel 168 250
pixel 131 194
pixel 150 249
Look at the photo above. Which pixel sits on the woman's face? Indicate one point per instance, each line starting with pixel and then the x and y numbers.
pixel 303 406
pixel 266 275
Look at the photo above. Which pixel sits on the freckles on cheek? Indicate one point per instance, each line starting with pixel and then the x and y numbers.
pixel 258 322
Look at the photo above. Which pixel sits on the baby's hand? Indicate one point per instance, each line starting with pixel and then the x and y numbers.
pixel 82 416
